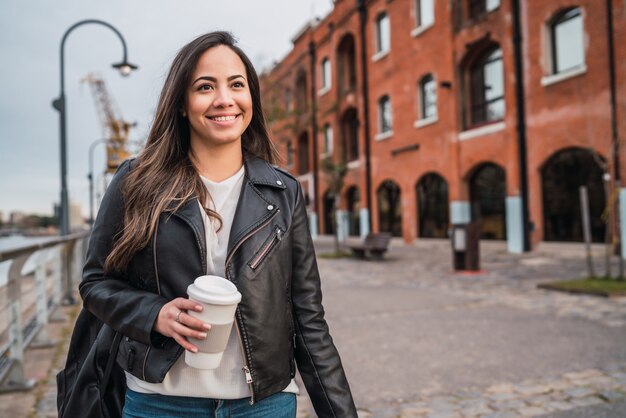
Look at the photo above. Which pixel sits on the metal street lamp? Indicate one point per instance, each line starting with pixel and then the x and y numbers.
pixel 125 68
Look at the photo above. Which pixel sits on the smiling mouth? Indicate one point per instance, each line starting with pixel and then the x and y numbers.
pixel 223 118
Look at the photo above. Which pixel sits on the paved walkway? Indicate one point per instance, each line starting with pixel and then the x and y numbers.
pixel 418 340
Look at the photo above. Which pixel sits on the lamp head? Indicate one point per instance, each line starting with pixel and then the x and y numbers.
pixel 125 68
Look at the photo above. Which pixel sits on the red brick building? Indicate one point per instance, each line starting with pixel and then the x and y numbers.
pixel 456 111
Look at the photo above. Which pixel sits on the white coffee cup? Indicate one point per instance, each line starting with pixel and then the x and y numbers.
pixel 219 299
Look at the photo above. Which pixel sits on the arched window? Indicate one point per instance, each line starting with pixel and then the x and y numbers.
pixel 486 88
pixel 427 96
pixel 424 13
pixel 567 41
pixel 385 124
pixel 346 63
pixel 383 33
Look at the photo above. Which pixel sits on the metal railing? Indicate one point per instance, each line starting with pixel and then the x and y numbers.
pixel 30 297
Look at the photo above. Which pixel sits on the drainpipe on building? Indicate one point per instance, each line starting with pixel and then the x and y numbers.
pixel 313 58
pixel 620 227
pixel 521 123
pixel 366 115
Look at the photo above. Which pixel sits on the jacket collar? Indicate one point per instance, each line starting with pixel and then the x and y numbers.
pixel 252 210
pixel 260 172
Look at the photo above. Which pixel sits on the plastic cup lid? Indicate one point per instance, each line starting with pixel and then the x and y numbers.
pixel 215 290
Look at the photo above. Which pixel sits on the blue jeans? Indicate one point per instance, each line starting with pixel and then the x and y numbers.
pixel 144 405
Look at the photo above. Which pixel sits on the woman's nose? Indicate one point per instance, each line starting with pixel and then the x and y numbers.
pixel 223 97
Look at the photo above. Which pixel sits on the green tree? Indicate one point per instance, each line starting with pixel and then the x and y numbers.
pixel 335 175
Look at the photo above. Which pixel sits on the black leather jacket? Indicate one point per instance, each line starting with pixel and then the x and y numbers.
pixel 270 259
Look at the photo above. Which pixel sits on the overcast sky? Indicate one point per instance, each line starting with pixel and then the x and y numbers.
pixel 154 30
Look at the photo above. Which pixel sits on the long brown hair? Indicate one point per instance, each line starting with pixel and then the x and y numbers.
pixel 163 178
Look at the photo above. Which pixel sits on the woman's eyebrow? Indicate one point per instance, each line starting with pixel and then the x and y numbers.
pixel 214 80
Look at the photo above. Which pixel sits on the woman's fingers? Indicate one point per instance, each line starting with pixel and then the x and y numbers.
pixel 174 321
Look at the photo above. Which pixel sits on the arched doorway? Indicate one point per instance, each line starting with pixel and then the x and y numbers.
pixel 329 214
pixel 561 177
pixel 350 135
pixel 487 196
pixel 353 198
pixel 432 206
pixel 389 208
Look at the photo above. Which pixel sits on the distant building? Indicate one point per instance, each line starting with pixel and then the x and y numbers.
pixel 421 99
pixel 16 218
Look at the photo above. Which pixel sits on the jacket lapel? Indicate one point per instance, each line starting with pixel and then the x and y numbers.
pixel 254 207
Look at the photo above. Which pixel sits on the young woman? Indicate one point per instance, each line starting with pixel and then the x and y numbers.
pixel 203 198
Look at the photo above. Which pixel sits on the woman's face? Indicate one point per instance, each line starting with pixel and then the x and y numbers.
pixel 218 103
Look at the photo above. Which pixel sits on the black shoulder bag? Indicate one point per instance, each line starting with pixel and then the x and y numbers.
pixel 91 384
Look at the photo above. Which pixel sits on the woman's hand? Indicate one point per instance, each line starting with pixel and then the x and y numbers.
pixel 173 321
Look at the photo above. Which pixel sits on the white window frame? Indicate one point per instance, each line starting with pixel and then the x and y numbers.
pixel 421 99
pixel 325 75
pixel 382 47
pixel 328 140
pixel 383 134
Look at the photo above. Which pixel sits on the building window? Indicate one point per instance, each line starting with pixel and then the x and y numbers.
pixel 424 12
pixel 486 88
pixel 383 33
pixel 346 65
pixel 328 139
pixel 479 7
pixel 427 97
pixel 326 75
pixel 301 95
pixel 384 115
pixel 567 41
pixel 288 100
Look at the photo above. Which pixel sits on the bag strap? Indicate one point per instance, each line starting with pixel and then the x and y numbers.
pixel 112 354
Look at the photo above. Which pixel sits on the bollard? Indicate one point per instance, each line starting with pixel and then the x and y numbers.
pixel 16 379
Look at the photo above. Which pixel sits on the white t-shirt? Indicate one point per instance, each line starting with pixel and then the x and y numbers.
pixel 228 381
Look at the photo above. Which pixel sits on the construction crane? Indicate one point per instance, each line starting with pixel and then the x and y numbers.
pixel 115 128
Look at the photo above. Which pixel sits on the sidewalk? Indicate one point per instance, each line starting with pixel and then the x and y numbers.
pixel 418 340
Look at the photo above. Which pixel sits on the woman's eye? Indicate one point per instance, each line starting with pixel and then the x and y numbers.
pixel 238 84
pixel 205 87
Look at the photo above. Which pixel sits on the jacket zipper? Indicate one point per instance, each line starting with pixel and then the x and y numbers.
pixel 245 368
pixel 156 275
pixel 267 248
pixel 243 345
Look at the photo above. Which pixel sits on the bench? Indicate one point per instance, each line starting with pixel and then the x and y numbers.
pixel 374 245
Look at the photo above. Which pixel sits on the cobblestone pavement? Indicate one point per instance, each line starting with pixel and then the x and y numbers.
pixel 544 370
pixel 418 340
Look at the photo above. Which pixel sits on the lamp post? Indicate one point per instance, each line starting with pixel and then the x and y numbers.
pixel 90 177
pixel 125 68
